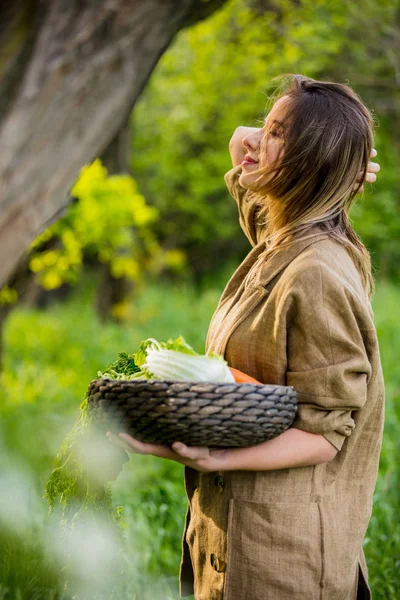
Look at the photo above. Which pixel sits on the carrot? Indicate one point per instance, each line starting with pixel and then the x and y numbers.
pixel 241 377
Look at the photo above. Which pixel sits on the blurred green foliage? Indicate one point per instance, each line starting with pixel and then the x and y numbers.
pixel 217 76
pixel 40 392
pixel 110 221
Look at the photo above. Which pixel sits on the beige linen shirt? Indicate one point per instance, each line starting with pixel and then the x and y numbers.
pixel 303 319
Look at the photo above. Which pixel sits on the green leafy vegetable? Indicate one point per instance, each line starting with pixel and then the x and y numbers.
pixel 80 494
pixel 175 360
pixel 178 344
pixel 123 368
pixel 172 365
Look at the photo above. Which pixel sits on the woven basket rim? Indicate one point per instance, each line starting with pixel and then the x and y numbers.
pixel 189 382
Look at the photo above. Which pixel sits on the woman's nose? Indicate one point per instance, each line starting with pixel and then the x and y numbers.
pixel 251 141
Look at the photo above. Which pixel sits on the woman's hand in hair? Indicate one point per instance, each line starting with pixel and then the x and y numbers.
pixel 373 168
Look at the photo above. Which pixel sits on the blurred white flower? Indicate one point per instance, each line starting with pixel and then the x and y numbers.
pixel 90 552
pixel 20 505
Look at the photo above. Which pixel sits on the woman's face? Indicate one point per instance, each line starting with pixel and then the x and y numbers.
pixel 272 132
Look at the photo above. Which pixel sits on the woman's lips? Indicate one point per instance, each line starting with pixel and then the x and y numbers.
pixel 248 161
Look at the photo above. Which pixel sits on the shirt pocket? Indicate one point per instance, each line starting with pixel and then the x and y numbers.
pixel 274 551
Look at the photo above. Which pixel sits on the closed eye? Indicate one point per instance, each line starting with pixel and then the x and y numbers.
pixel 275 133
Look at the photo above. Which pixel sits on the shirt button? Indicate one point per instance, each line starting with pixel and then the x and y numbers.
pixel 217 564
pixel 219 482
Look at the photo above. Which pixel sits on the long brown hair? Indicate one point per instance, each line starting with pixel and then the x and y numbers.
pixel 327 142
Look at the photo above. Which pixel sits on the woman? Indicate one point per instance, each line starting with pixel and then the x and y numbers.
pixel 285 520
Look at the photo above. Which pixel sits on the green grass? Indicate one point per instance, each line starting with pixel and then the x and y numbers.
pixel 382 542
pixel 50 358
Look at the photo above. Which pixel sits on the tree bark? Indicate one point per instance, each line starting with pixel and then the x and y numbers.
pixel 70 74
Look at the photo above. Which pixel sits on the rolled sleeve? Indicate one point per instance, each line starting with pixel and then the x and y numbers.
pixel 329 415
pixel 327 361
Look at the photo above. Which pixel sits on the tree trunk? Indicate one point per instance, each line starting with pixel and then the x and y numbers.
pixel 70 74
pixel 111 294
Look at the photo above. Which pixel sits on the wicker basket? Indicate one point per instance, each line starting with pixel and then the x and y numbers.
pixel 198 414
